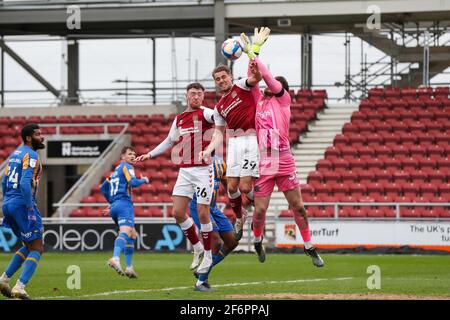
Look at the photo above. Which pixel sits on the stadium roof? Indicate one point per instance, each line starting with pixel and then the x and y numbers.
pixel 138 18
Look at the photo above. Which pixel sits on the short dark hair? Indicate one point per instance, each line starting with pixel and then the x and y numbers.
pixel 221 67
pixel 28 130
pixel 125 149
pixel 283 82
pixel 195 85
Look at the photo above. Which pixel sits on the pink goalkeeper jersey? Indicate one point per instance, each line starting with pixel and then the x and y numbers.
pixel 272 127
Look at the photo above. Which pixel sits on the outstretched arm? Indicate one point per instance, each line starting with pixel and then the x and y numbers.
pixel 134 182
pixel 165 145
pixel 273 84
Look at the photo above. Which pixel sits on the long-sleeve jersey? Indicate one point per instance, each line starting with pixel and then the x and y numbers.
pixel 120 184
pixel 272 124
pixel 192 132
pixel 21 179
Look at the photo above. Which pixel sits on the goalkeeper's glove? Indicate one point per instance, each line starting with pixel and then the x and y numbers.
pixel 247 46
pixel 259 38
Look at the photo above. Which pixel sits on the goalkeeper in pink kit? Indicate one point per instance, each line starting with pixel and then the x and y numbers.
pixel 277 164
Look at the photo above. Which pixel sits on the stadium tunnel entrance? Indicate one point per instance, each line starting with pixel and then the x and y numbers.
pixel 55 182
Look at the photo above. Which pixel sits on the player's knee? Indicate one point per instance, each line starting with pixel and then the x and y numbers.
pixel 260 210
pixel 245 187
pixel 179 215
pixel 300 209
pixel 38 248
pixel 132 234
pixel 232 188
pixel 232 245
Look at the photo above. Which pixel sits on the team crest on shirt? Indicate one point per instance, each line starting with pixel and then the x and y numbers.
pixel 233 94
pixel 32 163
pixel 181 122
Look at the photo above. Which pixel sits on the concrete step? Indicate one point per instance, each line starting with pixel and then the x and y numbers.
pixel 307 146
pixel 277 202
pixel 314 157
pixel 341 105
pixel 347 110
pixel 309 140
pixel 278 196
pixel 305 169
pixel 327 123
pixel 320 134
pixel 326 116
pixel 307 164
pixel 330 128
pixel 309 152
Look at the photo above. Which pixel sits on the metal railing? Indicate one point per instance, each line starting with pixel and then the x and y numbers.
pixel 164 206
pixel 397 205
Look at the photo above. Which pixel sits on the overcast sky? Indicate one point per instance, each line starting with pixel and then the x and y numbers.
pixel 103 61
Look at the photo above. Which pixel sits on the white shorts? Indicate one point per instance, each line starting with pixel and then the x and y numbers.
pixel 195 179
pixel 243 157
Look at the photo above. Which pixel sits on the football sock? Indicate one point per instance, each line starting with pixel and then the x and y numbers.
pixel 303 226
pixel 258 225
pixel 206 235
pixel 29 266
pixel 190 232
pixel 236 203
pixel 16 262
pixel 129 251
pixel 120 244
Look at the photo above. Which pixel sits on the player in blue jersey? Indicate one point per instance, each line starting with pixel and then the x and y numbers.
pixel 117 191
pixel 19 186
pixel 221 225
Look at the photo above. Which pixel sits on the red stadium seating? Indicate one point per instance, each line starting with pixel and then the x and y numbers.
pixel 395 149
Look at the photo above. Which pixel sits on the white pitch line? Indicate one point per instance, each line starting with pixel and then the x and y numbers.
pixel 100 294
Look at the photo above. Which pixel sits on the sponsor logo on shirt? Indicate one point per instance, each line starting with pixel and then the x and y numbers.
pixel 263 114
pixel 231 107
pixel 184 131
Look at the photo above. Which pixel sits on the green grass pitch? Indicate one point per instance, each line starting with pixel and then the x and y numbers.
pixel 285 276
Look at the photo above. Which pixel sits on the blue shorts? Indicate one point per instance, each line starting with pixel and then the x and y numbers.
pixel 26 227
pixel 122 212
pixel 219 221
